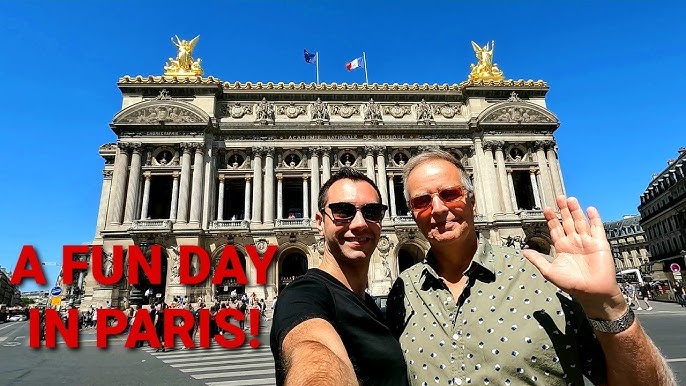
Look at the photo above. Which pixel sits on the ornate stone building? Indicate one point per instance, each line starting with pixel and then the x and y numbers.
pixel 210 163
pixel 628 242
pixel 663 213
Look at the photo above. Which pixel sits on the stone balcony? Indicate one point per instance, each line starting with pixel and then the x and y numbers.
pixel 229 224
pixel 151 225
pixel 534 214
pixel 402 220
pixel 292 223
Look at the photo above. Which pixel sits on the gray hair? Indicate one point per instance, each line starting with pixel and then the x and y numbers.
pixel 430 155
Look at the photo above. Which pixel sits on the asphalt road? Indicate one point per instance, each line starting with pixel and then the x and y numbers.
pixel 89 365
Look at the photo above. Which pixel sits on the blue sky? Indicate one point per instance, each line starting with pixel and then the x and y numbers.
pixel 615 71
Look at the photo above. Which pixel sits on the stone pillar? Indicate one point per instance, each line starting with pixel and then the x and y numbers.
pixel 382 181
pixel 534 187
pixel 146 196
pixel 305 208
pixel 554 168
pixel 326 164
pixel 513 195
pixel 544 174
pixel 184 189
pixel 505 191
pixel 279 196
pixel 491 180
pixel 391 193
pixel 134 184
pixel 246 198
pixel 369 161
pixel 480 174
pixel 174 197
pixel 104 201
pixel 220 199
pixel 314 170
pixel 196 192
pixel 269 186
pixel 116 205
pixel 257 185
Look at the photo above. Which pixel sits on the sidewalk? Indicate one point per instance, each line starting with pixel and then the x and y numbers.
pixel 659 307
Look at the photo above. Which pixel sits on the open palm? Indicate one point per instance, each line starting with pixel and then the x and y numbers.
pixel 583 265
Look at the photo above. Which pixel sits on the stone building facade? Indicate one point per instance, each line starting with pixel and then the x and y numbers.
pixel 663 214
pixel 628 242
pixel 203 162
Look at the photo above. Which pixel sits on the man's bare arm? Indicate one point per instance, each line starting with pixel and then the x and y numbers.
pixel 314 354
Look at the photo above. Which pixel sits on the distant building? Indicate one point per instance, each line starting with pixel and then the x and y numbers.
pixel 9 293
pixel 663 214
pixel 628 242
pixel 40 297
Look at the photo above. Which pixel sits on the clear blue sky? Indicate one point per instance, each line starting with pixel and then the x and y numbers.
pixel 615 71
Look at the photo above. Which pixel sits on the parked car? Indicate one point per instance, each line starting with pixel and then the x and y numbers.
pixel 17 318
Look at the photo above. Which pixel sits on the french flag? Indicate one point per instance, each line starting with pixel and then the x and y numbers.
pixel 355 63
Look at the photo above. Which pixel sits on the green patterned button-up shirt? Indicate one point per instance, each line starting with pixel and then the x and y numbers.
pixel 510 326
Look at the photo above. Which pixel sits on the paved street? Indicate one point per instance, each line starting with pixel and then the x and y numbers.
pixel 88 365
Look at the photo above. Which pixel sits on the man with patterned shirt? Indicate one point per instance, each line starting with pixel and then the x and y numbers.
pixel 476 313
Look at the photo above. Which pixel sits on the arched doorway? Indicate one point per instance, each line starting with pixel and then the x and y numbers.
pixel 230 285
pixel 291 266
pixel 145 292
pixel 409 255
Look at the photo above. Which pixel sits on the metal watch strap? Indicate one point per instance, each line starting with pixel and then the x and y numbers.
pixel 614 326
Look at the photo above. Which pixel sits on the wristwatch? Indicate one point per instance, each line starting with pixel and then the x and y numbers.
pixel 614 326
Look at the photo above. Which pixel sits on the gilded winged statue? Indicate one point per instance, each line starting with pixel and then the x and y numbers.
pixel 184 65
pixel 485 69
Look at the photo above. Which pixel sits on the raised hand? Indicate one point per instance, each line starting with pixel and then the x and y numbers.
pixel 583 265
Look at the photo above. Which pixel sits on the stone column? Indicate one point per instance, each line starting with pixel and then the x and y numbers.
pixel 480 175
pixel 326 164
pixel 305 208
pixel 369 161
pixel 279 196
pixel 175 196
pixel 269 186
pixel 184 189
pixel 534 187
pixel 196 192
pixel 116 205
pixel 146 196
pixel 492 180
pixel 513 195
pixel 104 201
pixel 544 175
pixel 257 185
pixel 134 184
pixel 220 199
pixel 554 168
pixel 314 170
pixel 246 198
pixel 391 193
pixel 382 181
pixel 505 191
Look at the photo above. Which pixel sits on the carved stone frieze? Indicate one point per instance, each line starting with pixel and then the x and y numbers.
pixel 372 113
pixel 162 114
pixel 291 110
pixel 424 114
pixel 447 110
pixel 319 112
pixel 107 174
pixel 264 112
pixel 397 110
pixel 237 110
pixel 517 114
pixel 345 110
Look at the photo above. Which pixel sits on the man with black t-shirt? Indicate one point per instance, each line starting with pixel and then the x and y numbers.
pixel 326 329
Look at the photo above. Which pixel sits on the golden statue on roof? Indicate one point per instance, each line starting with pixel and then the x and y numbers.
pixel 184 65
pixel 485 69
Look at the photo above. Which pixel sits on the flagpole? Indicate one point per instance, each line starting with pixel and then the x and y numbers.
pixel 364 59
pixel 317 58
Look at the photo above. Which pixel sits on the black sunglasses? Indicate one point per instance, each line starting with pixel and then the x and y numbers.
pixel 344 212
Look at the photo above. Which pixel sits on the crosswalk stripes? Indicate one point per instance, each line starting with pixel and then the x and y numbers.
pixel 218 366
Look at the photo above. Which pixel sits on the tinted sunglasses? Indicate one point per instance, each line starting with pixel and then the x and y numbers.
pixel 345 212
pixel 448 194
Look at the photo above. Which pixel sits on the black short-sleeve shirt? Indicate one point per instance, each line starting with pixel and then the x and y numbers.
pixel 374 353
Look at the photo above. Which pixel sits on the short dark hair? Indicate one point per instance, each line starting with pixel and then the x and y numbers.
pixel 344 173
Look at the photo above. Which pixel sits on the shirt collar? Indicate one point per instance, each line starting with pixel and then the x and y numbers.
pixel 482 267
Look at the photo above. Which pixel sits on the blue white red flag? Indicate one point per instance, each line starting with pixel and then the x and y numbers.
pixel 355 63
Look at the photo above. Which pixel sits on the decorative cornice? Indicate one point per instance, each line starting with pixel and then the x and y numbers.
pixel 157 111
